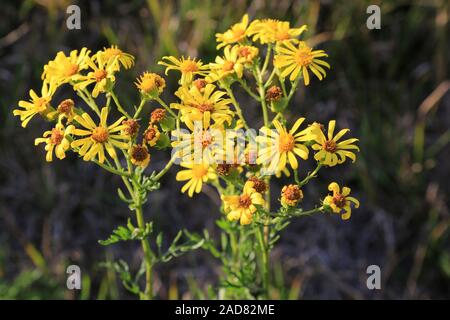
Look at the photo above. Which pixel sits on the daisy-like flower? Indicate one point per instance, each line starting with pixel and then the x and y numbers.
pixel 196 175
pixel 236 33
pixel 330 152
pixel 150 85
pixel 37 104
pixel 231 63
pixel 139 155
pixel 247 54
pixel 280 146
pixel 102 75
pixel 295 60
pixel 131 128
pixel 56 140
pixel 203 105
pixel 123 58
pixel 242 207
pixel 291 195
pixel 271 30
pixel 97 138
pixel 340 202
pixel 65 109
pixel 188 67
pixel 151 135
pixel 64 68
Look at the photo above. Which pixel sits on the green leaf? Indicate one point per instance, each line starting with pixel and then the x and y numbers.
pixel 163 141
pixel 167 124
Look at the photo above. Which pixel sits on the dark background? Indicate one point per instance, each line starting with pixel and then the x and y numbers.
pixel 389 86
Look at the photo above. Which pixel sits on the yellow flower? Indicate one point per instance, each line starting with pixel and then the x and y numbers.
pixel 297 60
pixel 37 104
pixel 65 109
pixel 64 68
pixel 56 140
pixel 203 106
pixel 340 202
pixel 271 30
pixel 126 59
pixel 150 84
pixel 291 195
pixel 151 135
pixel 188 67
pixel 231 63
pixel 279 146
pixel 99 137
pixel 330 151
pixel 139 155
pixel 102 75
pixel 236 33
pixel 242 207
pixel 247 54
pixel 196 175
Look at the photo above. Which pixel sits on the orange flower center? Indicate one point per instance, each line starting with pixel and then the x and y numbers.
pixel 188 66
pixel 245 201
pixel 206 106
pixel 293 192
pixel 199 171
pixel 286 142
pixel 56 137
pixel 100 135
pixel 41 104
pixel 304 56
pixel 139 153
pixel 66 106
pixel 339 200
pixel 228 66
pixel 99 75
pixel 330 146
pixel 71 70
pixel 150 134
pixel 244 52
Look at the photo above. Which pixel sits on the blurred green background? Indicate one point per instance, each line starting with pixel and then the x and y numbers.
pixel 390 86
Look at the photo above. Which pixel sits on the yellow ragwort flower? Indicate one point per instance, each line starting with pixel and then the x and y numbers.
pixel 150 84
pixel 298 60
pixel 139 155
pixel 196 175
pixel 242 207
pixel 65 109
pixel 151 135
pixel 230 64
pixel 118 56
pixel 236 33
pixel 64 68
pixel 102 75
pixel 291 195
pixel 203 106
pixel 271 30
pixel 247 54
pixel 188 67
pixel 56 140
pixel 330 151
pixel 97 138
pixel 340 202
pixel 37 104
pixel 280 147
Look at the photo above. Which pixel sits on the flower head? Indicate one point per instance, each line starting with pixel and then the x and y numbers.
pixel 291 195
pixel 295 60
pixel 340 202
pixel 242 207
pixel 118 56
pixel 151 85
pixel 151 135
pixel 203 105
pixel 188 67
pixel 37 104
pixel 271 30
pixel 130 127
pixel 102 74
pixel 139 155
pixel 330 151
pixel 230 64
pixel 56 140
pixel 157 115
pixel 65 109
pixel 280 146
pixel 64 68
pixel 195 175
pixel 96 138
pixel 236 33
pixel 247 54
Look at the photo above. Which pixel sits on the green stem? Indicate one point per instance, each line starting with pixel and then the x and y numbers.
pixel 119 106
pixel 139 109
pixel 164 170
pixel 236 106
pixel 165 106
pixel 311 175
pixel 91 103
pixel 248 90
pixel 265 261
pixel 148 257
